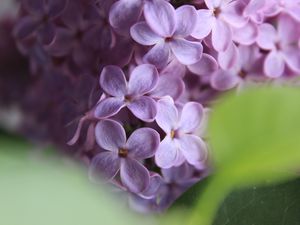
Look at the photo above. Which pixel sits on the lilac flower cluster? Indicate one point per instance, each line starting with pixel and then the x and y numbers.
pixel 160 64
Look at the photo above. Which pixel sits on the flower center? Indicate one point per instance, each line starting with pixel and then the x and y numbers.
pixel 242 74
pixel 123 153
pixel 168 39
pixel 217 12
pixel 174 134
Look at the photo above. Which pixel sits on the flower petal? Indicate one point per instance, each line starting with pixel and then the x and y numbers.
pixel 204 25
pixel 25 27
pixel 246 35
pixel 143 143
pixel 267 36
pixel 295 12
pixel 55 7
pixel 113 81
pixel 160 15
pixel 186 18
pixel 134 175
pixel 168 85
pixel 110 135
pixel 191 116
pixel 142 34
pixel 221 36
pixel 207 65
pixel 167 114
pixel 187 52
pixel 109 107
pixel 292 58
pixel 274 64
pixel 154 185
pixel 229 58
pixel 286 30
pixel 142 79
pixel 143 108
pixel 193 148
pixel 46 33
pixel 104 165
pixel 166 154
pixel 159 55
pixel 123 14
pixel 224 80
pixel 34 6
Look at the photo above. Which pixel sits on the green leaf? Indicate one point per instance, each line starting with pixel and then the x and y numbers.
pixel 34 191
pixel 255 138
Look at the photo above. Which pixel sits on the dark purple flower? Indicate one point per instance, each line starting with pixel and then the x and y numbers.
pixel 124 156
pixel 40 19
pixel 131 94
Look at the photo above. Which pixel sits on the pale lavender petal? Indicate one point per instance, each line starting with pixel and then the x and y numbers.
pixel 143 108
pixel 295 12
pixel 221 36
pixel 123 14
pixel 166 154
pixel 193 148
pixel 104 165
pixel 204 25
pixel 174 68
pixel 207 65
pixel 253 7
pixel 191 116
pixel 56 7
pixel 142 79
pixel 154 185
pixel 113 81
pixel 186 18
pixel 110 135
pixel 234 18
pixel 159 55
pixel 167 114
pixel 246 35
pixel 211 4
pixel 267 36
pixel 25 27
pixel 109 107
pixel 143 143
pixel 274 64
pixel 168 85
pixel 134 175
pixel 187 52
pixel 160 15
pixel 286 30
pixel 229 57
pixel 224 80
pixel 142 34
pixel 292 58
pixel 46 33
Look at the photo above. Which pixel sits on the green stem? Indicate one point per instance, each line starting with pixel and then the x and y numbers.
pixel 209 201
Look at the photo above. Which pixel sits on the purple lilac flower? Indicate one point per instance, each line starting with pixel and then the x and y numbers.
pixel 282 44
pixel 131 94
pixel 167 29
pixel 218 20
pixel 180 144
pixel 249 66
pixel 40 19
pixel 124 156
pixel 291 7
